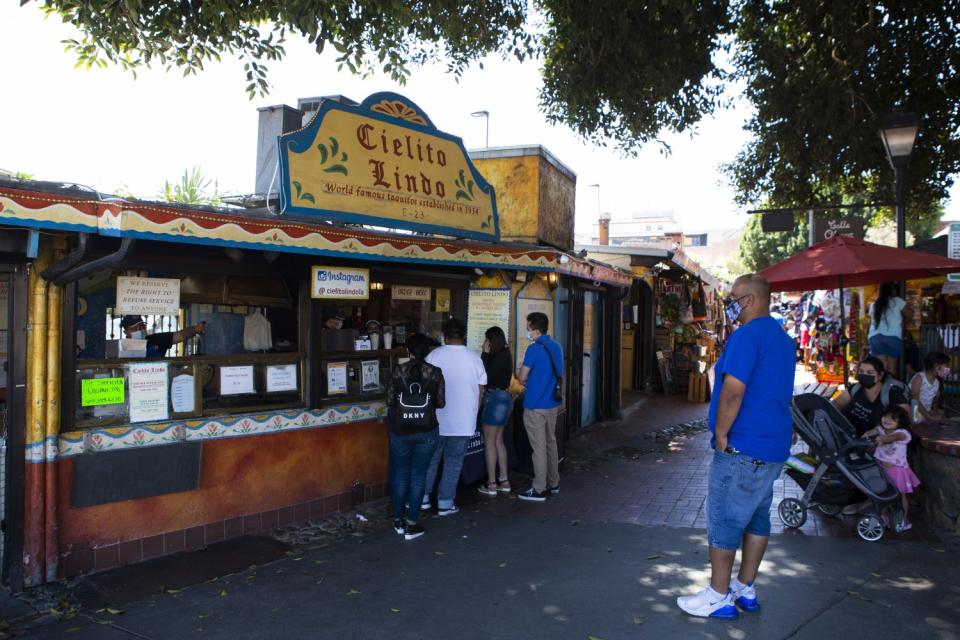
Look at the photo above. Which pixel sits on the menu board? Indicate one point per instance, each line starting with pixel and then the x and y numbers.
pixel 182 395
pixel 526 306
pixel 486 308
pixel 236 380
pixel 148 383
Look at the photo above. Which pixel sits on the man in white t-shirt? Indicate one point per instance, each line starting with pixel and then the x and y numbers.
pixel 464 377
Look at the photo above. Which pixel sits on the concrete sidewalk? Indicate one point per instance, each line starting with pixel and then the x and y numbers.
pixel 482 575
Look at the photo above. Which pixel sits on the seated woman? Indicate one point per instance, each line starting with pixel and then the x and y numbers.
pixel 867 399
pixel 864 404
pixel 926 388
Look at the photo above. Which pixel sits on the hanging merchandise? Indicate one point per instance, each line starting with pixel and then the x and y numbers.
pixel 699 303
pixel 686 306
pixel 256 332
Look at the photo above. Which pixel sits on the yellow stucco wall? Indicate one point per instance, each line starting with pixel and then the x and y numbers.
pixel 517 184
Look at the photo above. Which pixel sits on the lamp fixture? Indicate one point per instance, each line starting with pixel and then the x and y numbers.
pixel 376 286
pixel 553 279
pixel 899 133
pixel 486 116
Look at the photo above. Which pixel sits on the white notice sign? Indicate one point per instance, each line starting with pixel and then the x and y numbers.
pixel 181 393
pixel 486 308
pixel 336 378
pixel 370 374
pixel 281 377
pixel 236 380
pixel 147 382
pixel 147 296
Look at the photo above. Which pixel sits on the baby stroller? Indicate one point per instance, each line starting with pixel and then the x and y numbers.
pixel 845 472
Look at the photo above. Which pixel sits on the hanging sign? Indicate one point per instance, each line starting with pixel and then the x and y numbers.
pixel 384 163
pixel 339 283
pixel 486 308
pixel 147 296
pixel 148 383
pixel 824 229
pixel 408 292
pixel 442 301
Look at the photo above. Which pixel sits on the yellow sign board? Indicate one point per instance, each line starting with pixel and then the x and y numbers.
pixel 95 392
pixel 383 163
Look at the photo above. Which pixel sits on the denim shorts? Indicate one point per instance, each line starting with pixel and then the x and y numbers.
pixel 739 493
pixel 885 346
pixel 497 404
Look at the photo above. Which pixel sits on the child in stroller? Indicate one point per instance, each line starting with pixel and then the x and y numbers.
pixel 845 472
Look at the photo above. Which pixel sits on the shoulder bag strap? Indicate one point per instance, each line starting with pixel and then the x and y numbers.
pixel 553 365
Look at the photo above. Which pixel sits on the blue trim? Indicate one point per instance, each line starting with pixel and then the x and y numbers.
pixel 320 252
pixel 43 224
pixel 33 244
pixel 748 604
pixel 726 612
pixel 299 141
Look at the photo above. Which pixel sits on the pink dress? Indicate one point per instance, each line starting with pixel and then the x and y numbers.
pixel 893 459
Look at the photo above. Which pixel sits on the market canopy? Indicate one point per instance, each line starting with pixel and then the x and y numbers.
pixel 843 261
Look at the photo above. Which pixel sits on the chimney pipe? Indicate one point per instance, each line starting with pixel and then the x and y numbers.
pixel 273 122
pixel 604 228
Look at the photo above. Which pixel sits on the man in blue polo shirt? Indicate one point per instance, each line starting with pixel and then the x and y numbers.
pixel 541 373
pixel 752 429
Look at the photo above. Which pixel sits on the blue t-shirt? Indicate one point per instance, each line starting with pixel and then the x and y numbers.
pixel 541 380
pixel 762 356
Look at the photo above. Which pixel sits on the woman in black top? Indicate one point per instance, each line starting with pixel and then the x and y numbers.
pixel 497 404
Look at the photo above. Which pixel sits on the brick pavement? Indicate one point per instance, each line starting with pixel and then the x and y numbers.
pixel 667 488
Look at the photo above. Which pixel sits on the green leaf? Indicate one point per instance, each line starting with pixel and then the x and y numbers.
pixel 337 168
pixel 309 198
pixel 334 146
pixel 323 153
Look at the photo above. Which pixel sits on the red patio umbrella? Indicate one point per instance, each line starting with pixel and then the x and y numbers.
pixel 843 261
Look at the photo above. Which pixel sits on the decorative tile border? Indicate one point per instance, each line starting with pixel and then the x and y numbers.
pixel 146 435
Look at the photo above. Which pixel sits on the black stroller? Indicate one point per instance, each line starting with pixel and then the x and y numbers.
pixel 846 472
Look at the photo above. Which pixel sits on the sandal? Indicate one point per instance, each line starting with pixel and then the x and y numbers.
pixel 488 489
pixel 503 485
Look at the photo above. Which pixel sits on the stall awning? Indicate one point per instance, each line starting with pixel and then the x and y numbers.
pixel 153 221
pixel 594 271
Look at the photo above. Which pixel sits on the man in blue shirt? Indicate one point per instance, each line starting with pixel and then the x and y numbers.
pixel 541 373
pixel 752 429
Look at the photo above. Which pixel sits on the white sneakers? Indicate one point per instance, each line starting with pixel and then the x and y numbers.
pixel 709 604
pixel 744 595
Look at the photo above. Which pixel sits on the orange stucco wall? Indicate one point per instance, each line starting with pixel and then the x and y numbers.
pixel 517 184
pixel 238 476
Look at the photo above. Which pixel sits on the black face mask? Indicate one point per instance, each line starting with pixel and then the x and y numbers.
pixel 867 380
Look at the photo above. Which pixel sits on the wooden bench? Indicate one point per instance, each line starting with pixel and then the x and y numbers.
pixel 825 389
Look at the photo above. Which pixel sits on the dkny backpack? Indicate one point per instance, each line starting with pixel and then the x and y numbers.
pixel 416 411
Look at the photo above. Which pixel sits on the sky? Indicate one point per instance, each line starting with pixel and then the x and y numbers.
pixel 108 130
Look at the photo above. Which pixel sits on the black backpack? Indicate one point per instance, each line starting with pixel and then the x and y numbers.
pixel 415 411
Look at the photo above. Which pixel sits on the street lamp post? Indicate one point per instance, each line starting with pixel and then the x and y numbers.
pixel 486 116
pixel 899 132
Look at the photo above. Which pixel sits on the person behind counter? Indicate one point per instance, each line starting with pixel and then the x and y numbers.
pixel 335 321
pixel 134 327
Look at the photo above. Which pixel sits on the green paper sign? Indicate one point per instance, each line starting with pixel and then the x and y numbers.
pixel 99 391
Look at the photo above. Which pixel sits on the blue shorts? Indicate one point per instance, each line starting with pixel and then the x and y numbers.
pixel 497 405
pixel 739 494
pixel 885 346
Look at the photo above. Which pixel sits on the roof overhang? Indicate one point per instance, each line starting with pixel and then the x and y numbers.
pixel 154 221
